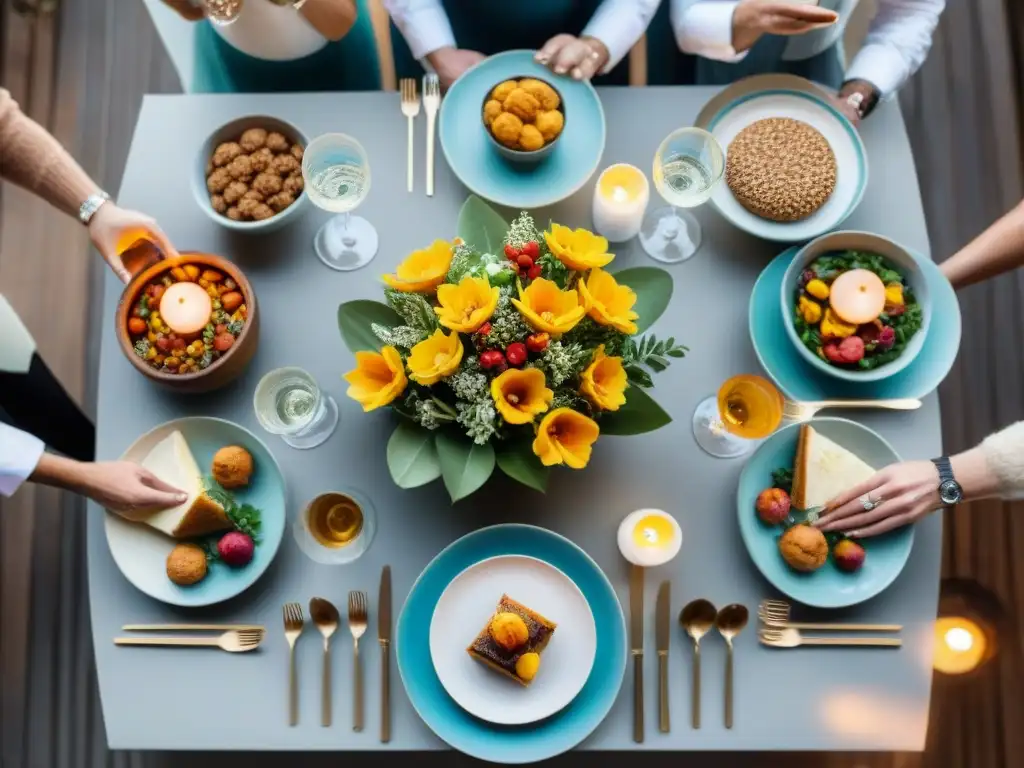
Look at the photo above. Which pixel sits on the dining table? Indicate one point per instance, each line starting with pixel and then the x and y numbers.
pixel 841 699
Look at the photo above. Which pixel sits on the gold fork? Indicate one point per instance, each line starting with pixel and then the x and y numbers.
pixel 791 638
pixel 794 411
pixel 410 108
pixel 233 641
pixel 775 614
pixel 293 623
pixel 357 622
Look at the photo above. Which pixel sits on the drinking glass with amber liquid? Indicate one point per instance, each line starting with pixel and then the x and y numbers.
pixel 336 527
pixel 746 410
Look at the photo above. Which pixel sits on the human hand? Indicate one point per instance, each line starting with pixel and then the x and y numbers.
pixel 845 108
pixel 582 57
pixel 753 18
pixel 901 494
pixel 114 229
pixel 126 488
pixel 449 63
pixel 186 10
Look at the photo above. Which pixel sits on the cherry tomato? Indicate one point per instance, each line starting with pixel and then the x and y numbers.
pixel 222 342
pixel 137 326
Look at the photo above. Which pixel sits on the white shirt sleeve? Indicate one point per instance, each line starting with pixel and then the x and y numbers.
pixel 704 28
pixel 897 43
pixel 423 24
pixel 19 455
pixel 619 24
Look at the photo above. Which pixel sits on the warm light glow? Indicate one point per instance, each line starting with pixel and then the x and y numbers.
pixel 620 195
pixel 653 531
pixel 960 645
pixel 649 537
pixel 186 308
pixel 622 183
pixel 959 639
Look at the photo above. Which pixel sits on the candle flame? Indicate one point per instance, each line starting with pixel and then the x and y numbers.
pixel 620 195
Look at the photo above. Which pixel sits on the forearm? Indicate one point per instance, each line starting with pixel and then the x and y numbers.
pixel 975 475
pixel 331 18
pixel 998 249
pixel 60 472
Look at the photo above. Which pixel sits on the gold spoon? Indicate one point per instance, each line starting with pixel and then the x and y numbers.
pixel 326 618
pixel 730 622
pixel 697 618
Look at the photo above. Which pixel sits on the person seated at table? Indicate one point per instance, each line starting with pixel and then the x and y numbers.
pixel 578 38
pixel 733 40
pixel 284 45
pixel 998 249
pixel 904 493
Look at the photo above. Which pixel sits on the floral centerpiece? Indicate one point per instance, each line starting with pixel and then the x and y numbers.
pixel 510 347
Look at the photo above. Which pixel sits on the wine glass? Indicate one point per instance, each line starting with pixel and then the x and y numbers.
pixel 746 410
pixel 336 172
pixel 289 403
pixel 687 166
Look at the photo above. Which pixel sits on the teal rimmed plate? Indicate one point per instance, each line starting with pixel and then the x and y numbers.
pixel 511 744
pixel 474 158
pixel 828 587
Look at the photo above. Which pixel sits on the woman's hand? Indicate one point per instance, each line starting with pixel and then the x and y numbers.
pixel 899 495
pixel 582 57
pixel 113 230
pixel 450 63
pixel 186 10
pixel 753 18
pixel 126 488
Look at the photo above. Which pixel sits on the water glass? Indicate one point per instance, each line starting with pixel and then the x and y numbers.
pixel 289 403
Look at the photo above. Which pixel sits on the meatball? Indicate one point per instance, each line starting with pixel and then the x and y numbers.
pixel 491 110
pixel 218 181
pixel 262 211
pixel 294 184
pixel 276 142
pixel 252 194
pixel 260 160
pixel 225 153
pixel 280 201
pixel 218 204
pixel 267 183
pixel 542 92
pixel 246 206
pixel 253 139
pixel 506 128
pixel 234 214
pixel 232 466
pixel 186 565
pixel 522 105
pixel 240 169
pixel 530 138
pixel 284 165
pixel 502 90
pixel 234 192
pixel 550 124
pixel 297 151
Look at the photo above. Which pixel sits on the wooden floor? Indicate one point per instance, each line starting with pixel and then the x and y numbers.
pixel 82 73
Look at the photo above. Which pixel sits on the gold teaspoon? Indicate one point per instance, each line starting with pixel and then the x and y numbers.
pixel 730 622
pixel 697 618
pixel 326 618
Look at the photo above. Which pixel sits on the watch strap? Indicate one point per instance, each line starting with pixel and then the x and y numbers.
pixel 944 467
pixel 92 204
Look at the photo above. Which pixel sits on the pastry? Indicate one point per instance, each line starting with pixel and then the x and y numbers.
pixel 512 641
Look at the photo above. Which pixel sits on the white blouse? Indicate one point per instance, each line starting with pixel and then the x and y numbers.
pixel 273 32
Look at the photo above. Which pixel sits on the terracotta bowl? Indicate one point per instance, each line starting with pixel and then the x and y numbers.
pixel 223 370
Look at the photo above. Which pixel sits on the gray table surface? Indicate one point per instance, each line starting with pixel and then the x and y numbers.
pixel 815 699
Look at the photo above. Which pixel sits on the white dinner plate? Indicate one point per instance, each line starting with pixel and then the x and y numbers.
pixel 467 605
pixel 763 96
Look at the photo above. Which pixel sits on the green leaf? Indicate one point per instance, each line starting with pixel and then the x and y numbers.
pixel 639 376
pixel 481 227
pixel 640 414
pixel 465 466
pixel 412 457
pixel 517 460
pixel 653 289
pixel 356 319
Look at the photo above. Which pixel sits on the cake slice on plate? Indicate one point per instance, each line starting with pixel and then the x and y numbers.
pixel 823 470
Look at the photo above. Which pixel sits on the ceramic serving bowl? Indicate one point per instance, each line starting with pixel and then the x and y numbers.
pixel 231 132
pixel 223 370
pixel 522 156
pixel 901 259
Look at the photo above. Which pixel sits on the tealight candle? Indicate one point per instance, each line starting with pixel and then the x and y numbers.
pixel 857 296
pixel 186 308
pixel 649 537
pixel 620 200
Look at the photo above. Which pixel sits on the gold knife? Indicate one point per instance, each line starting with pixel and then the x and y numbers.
pixel 661 631
pixel 384 636
pixel 636 642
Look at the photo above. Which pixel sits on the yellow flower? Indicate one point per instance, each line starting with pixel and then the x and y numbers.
pixel 378 378
pixel 578 249
pixel 833 328
pixel 435 357
pixel 520 395
pixel 604 381
pixel 422 271
pixel 609 303
pixel 466 306
pixel 547 308
pixel 565 437
pixel 809 310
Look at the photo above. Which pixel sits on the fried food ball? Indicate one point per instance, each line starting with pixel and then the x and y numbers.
pixel 218 181
pixel 240 169
pixel 260 160
pixel 186 565
pixel 234 214
pixel 267 183
pixel 530 138
pixel 232 466
pixel 509 630
pixel 246 206
pixel 502 90
pixel 225 153
pixel 506 128
pixel 234 192
pixel 276 142
pixel 550 124
pixel 281 200
pixel 253 139
pixel 491 110
pixel 294 184
pixel 284 165
pixel 262 211
pixel 804 548
pixel 297 152
pixel 218 204
pixel 542 92
pixel 252 194
pixel 522 105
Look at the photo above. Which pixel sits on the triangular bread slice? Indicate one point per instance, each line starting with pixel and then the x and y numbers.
pixel 823 470
pixel 172 461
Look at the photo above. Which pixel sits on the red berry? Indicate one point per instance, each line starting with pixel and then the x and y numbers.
pixel 484 329
pixel 886 337
pixel 851 349
pixel 511 251
pixel 531 249
pixel 537 342
pixel 534 272
pixel 831 352
pixel 524 261
pixel 492 358
pixel 516 353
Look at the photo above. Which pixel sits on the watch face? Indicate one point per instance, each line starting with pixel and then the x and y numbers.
pixel 950 492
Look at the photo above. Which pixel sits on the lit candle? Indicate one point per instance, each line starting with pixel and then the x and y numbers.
pixel 960 645
pixel 649 537
pixel 857 296
pixel 620 200
pixel 186 308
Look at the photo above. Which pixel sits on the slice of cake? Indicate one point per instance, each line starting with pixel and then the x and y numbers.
pixel 172 461
pixel 823 470
pixel 512 641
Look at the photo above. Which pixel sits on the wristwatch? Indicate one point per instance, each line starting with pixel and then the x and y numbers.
pixel 861 95
pixel 950 491
pixel 92 204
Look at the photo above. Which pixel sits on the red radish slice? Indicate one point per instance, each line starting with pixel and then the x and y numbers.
pixel 857 296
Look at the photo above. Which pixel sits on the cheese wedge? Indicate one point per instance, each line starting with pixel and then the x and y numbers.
pixel 823 470
pixel 172 461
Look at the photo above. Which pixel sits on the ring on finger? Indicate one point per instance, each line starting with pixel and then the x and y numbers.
pixel 868 503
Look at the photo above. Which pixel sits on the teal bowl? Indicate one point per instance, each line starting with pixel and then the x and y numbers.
pixel 902 259
pixel 828 587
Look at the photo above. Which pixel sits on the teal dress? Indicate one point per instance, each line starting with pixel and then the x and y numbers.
pixel 493 27
pixel 350 64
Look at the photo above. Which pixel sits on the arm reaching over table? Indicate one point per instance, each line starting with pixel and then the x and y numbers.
pixel 998 249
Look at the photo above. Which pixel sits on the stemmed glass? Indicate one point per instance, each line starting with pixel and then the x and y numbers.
pixel 687 166
pixel 289 403
pixel 336 171
pixel 746 410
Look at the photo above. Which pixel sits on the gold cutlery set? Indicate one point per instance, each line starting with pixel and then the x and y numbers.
pixel 233 638
pixel 411 110
pixel 697 618
pixel 778 631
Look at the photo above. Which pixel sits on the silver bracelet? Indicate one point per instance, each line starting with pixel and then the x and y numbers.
pixel 92 204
